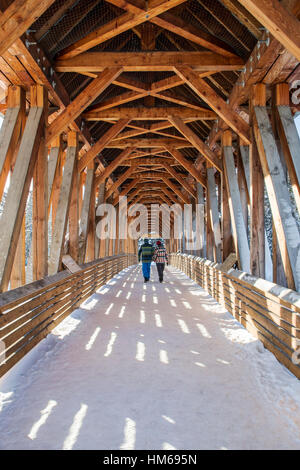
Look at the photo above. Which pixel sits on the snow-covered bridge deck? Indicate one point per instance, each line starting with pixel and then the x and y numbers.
pixel 155 366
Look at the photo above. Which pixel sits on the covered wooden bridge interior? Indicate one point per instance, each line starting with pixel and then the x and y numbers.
pixel 162 101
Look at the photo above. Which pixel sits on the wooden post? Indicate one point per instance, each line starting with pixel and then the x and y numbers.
pixel 285 224
pixel 18 278
pixel 85 212
pixel 90 248
pixel 235 205
pixel 61 218
pixel 40 196
pixel 214 212
pixel 13 213
pixel 258 248
pixel 74 216
pixel 53 166
pixel 227 240
pixel 11 131
pixel 201 220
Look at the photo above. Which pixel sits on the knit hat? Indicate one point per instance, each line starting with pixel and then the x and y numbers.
pixel 158 242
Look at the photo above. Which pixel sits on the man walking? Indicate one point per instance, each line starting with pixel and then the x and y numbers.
pixel 161 258
pixel 146 254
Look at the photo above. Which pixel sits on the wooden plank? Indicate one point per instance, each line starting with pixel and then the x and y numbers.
pixel 196 142
pixel 86 97
pixel 283 25
pixel 237 219
pixel 148 61
pixel 176 190
pixel 117 26
pixel 244 17
pixel 207 94
pixel 12 217
pixel 149 143
pixel 61 218
pixel 70 264
pixel 102 142
pixel 17 18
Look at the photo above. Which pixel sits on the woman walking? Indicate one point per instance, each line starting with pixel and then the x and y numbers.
pixel 160 257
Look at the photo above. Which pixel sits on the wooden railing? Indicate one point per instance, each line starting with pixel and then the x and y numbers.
pixel 268 311
pixel 29 313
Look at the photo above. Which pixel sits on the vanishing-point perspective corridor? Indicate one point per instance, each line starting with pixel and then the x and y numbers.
pixel 149 366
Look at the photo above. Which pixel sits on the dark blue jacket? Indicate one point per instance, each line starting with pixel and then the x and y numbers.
pixel 146 253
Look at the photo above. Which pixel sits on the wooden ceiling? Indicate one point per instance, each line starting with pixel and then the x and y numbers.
pixel 160 78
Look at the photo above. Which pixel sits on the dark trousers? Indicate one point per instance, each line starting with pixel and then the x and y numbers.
pixel 160 270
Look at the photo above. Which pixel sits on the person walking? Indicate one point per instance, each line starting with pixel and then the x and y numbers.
pixel 160 257
pixel 146 254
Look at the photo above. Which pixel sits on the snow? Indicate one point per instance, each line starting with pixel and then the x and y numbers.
pixel 165 367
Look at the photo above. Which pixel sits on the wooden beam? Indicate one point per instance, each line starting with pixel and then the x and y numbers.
pixel 187 165
pixel 60 13
pixel 207 94
pixel 102 143
pixel 176 190
pixel 13 212
pixel 113 165
pixel 196 142
pixel 149 143
pixel 148 61
pixel 244 17
pixel 61 219
pixel 53 166
pixel 17 18
pixel 180 180
pixel 143 113
pixel 178 26
pixel 236 211
pixel 117 184
pixel 278 20
pixel 125 191
pixel 11 130
pixel 119 25
pixel 284 221
pixel 86 97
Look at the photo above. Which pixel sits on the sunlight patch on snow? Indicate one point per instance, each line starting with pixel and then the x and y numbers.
pixel 108 351
pixel 119 293
pixel 203 331
pixel 167 418
pixel 163 356
pixel 168 446
pixel 183 326
pixel 121 314
pixel 167 290
pixel 155 299
pixel 89 304
pixel 129 435
pixel 107 311
pixel 144 298
pixel 158 321
pixel 223 362
pixel 75 428
pixel 238 335
pixel 200 364
pixel 128 295
pixel 66 327
pixel 140 351
pixel 187 305
pixel 44 416
pixel 93 338
pixel 142 316
pixel 173 303
pixel 5 398
pixel 178 291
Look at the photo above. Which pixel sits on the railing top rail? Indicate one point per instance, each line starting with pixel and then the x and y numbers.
pixel 10 298
pixel 274 292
